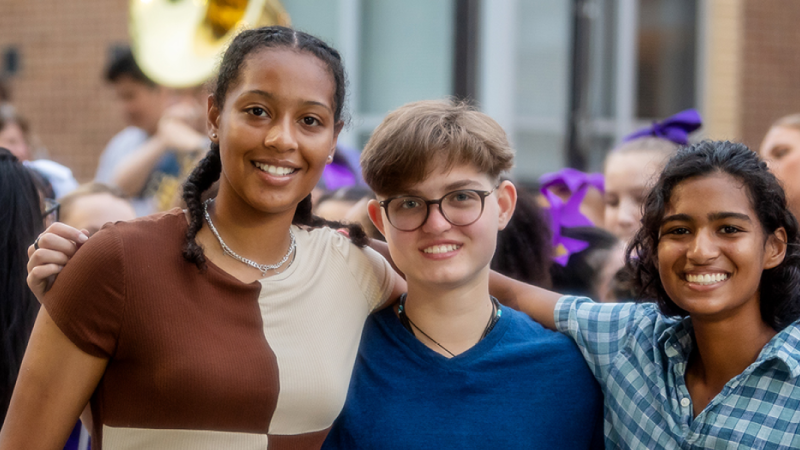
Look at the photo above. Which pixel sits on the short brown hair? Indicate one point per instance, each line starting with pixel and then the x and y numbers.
pixel 400 151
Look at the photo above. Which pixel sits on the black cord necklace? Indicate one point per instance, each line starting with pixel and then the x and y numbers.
pixel 409 325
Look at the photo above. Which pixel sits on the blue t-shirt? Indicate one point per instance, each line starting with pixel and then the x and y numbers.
pixel 520 387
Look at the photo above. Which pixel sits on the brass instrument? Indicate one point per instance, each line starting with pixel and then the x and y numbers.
pixel 178 43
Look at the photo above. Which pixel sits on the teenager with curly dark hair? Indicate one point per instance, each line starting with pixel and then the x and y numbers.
pixel 714 362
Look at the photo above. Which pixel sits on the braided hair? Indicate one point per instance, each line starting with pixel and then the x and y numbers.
pixel 208 170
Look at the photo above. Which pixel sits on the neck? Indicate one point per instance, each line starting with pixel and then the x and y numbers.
pixel 724 349
pixel 255 235
pixel 456 317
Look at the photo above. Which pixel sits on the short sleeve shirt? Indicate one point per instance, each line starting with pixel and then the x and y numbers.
pixel 639 357
pixel 198 359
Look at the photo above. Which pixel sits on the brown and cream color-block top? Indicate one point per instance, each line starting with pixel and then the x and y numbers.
pixel 200 360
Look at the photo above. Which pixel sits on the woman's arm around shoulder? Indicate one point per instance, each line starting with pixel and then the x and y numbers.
pixel 55 382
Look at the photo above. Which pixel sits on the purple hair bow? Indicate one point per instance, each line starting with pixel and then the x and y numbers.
pixel 675 128
pixel 567 214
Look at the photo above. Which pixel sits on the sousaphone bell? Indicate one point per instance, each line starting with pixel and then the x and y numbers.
pixel 178 43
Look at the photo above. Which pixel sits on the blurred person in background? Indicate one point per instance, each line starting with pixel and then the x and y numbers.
pixel 781 150
pixel 16 137
pixel 93 205
pixel 523 247
pixel 589 272
pixel 20 222
pixel 631 168
pixel 337 204
pixel 347 204
pixel 150 158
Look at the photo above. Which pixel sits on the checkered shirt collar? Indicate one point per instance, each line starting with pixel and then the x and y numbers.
pixel 783 348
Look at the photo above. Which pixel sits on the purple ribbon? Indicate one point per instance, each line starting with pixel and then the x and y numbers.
pixel 567 214
pixel 675 128
pixel 338 176
pixel 560 213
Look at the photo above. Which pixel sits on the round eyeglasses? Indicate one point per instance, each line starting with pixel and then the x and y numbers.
pixel 461 208
pixel 51 211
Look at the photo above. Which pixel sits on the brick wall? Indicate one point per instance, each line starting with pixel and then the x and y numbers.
pixel 770 85
pixel 752 76
pixel 63 47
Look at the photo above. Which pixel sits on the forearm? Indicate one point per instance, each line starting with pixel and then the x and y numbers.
pixel 132 173
pixel 534 301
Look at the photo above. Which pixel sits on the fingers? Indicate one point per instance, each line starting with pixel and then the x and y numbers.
pixel 44 256
pixel 57 243
pixel 40 278
pixel 55 247
pixel 65 231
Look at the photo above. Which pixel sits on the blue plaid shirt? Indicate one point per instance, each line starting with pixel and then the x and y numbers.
pixel 639 357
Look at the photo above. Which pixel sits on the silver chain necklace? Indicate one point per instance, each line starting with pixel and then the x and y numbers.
pixel 227 250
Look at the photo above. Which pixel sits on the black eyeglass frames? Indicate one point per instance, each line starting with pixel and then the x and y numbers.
pixel 461 208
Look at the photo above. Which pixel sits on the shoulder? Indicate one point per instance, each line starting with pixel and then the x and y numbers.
pixel 152 228
pixel 161 233
pixel 524 329
pixel 128 135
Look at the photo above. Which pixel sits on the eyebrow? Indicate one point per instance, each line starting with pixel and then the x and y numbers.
pixel 714 216
pixel 462 184
pixel 271 96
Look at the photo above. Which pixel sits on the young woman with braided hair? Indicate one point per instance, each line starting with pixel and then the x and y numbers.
pixel 233 324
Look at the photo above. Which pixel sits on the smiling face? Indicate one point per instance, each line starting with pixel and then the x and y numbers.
pixel 440 254
pixel 276 130
pixel 781 150
pixel 712 248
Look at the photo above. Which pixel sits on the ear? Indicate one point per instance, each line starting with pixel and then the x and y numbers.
pixel 376 215
pixel 212 121
pixel 506 201
pixel 336 130
pixel 775 249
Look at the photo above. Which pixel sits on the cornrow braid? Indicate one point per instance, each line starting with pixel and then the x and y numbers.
pixel 304 217
pixel 200 180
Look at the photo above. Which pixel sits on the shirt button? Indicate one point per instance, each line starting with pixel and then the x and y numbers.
pixel 685 402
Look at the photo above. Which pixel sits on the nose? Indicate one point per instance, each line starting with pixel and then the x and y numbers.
pixel 281 135
pixel 629 214
pixel 435 223
pixel 703 249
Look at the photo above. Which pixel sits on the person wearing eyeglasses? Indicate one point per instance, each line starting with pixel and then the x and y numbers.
pixel 448 366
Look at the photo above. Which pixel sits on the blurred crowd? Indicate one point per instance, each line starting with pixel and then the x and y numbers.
pixel 569 232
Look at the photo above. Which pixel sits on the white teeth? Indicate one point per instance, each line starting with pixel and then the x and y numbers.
pixel 441 248
pixel 707 278
pixel 274 170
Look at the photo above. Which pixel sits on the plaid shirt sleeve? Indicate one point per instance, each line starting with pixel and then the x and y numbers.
pixel 600 330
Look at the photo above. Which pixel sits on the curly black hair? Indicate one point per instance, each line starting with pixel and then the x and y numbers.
pixel 208 170
pixel 780 286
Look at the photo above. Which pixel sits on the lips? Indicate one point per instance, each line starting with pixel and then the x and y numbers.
pixel 273 169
